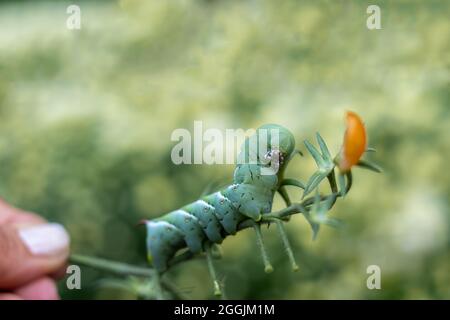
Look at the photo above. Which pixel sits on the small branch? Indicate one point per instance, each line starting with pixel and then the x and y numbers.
pixel 284 213
pixel 118 268
pixel 124 269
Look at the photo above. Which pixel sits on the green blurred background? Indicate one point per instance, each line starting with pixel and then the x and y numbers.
pixel 86 118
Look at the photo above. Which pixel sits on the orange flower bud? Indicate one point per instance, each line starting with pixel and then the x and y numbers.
pixel 355 142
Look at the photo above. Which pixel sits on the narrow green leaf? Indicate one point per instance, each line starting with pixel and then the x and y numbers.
pixel 333 222
pixel 315 153
pixel 369 166
pixel 316 204
pixel 328 202
pixel 323 147
pixel 293 182
pixel 315 227
pixel 313 182
pixel 369 149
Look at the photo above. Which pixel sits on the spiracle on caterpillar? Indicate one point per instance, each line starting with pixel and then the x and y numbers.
pixel 200 226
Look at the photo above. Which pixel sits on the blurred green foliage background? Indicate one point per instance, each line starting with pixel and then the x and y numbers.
pixel 86 118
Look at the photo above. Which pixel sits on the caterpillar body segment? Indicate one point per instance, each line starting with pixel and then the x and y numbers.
pixel 190 227
pixel 210 219
pixel 228 215
pixel 163 239
pixel 207 219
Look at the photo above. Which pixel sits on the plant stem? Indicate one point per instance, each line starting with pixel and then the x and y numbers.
pixel 124 269
pixel 112 266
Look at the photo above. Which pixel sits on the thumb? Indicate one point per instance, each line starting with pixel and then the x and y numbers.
pixel 30 251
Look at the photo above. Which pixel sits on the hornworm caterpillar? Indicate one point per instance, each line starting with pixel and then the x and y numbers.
pixel 259 174
pixel 217 215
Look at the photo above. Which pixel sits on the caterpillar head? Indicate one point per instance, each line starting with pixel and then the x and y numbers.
pixel 269 147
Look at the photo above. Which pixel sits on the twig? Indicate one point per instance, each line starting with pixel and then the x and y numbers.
pixel 118 268
pixel 124 269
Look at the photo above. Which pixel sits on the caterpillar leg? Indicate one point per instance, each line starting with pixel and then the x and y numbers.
pixel 286 244
pixel 212 270
pixel 259 240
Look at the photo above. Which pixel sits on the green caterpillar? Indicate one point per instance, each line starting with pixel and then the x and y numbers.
pixel 217 215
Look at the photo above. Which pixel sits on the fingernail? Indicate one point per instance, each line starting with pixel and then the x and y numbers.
pixel 45 239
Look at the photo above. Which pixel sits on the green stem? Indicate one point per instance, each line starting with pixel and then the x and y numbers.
pixel 123 269
pixel 332 180
pixel 118 268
